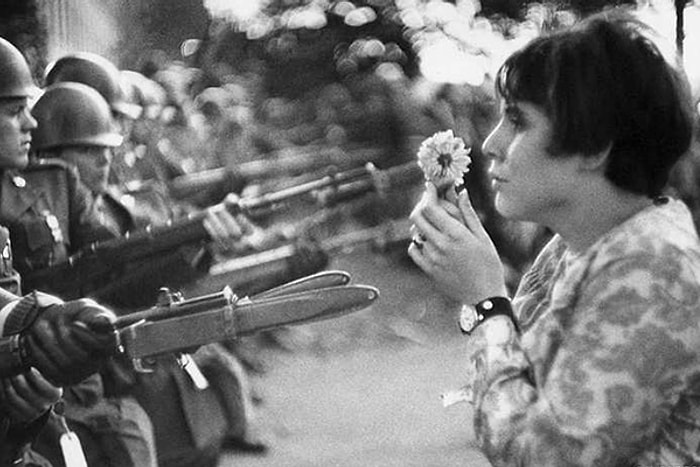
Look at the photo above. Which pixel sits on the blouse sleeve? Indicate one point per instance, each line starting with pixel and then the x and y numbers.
pixel 618 360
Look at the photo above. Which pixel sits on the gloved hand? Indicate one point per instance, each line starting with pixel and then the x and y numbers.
pixel 68 341
pixel 25 397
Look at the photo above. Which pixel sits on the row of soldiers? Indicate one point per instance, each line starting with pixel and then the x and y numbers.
pixel 60 191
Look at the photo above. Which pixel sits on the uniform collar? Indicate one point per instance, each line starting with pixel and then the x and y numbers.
pixel 16 194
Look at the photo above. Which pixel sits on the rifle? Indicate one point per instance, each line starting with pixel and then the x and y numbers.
pixel 175 324
pixel 290 162
pixel 89 268
pixel 246 273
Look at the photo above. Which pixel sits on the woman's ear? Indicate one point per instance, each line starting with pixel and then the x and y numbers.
pixel 595 161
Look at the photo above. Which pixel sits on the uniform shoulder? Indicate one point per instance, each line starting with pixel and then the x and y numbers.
pixel 40 164
pixel 50 169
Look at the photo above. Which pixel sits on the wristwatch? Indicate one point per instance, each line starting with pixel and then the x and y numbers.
pixel 471 316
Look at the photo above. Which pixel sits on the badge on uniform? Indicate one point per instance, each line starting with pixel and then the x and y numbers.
pixel 5 243
pixel 19 181
pixel 54 226
pixel 7 251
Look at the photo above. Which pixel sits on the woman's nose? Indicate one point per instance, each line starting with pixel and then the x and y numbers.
pixel 491 148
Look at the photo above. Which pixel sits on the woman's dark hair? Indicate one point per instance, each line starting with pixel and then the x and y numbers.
pixel 603 83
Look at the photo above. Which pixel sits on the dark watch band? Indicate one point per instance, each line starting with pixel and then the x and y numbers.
pixel 497 306
pixel 472 316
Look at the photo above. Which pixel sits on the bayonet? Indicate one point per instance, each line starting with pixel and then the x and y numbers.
pixel 184 324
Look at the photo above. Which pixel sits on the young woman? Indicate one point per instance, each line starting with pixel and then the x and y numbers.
pixel 596 360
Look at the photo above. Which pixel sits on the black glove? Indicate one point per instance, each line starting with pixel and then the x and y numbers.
pixel 69 341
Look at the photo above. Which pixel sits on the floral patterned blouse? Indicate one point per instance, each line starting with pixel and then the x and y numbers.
pixel 606 371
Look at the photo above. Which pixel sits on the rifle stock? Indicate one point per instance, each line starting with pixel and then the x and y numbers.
pixel 88 269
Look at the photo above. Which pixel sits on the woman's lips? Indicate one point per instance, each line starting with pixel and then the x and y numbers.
pixel 497 182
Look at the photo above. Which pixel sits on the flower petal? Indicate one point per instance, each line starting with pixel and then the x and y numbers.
pixel 444 158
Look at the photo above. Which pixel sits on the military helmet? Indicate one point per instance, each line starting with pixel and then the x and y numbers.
pixel 97 72
pixel 73 114
pixel 15 77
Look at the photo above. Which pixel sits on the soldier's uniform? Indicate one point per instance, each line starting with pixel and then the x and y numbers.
pixel 14 441
pixel 50 215
pixel 192 411
pixel 190 419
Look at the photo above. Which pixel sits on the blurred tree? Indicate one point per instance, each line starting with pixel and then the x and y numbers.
pixel 307 43
pixel 516 9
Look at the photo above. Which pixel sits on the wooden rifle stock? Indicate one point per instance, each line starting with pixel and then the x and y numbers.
pixel 89 269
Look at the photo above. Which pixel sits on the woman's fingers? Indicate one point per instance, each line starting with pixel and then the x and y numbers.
pixel 471 218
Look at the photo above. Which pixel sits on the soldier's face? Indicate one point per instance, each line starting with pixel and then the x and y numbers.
pixel 93 164
pixel 16 124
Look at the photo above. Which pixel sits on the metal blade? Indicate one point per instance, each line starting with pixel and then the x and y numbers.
pixel 148 338
pixel 319 280
pixel 303 307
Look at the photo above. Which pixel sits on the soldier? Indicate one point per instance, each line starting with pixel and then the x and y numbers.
pixel 191 411
pixel 50 214
pixel 40 351
pixel 121 93
pixel 149 160
pixel 43 346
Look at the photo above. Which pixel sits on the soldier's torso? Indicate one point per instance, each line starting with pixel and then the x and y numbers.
pixel 38 205
pixel 34 206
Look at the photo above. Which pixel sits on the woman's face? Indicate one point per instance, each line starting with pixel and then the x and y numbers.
pixel 92 163
pixel 530 184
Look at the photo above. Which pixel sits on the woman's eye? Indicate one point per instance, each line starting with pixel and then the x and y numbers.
pixel 514 116
pixel 515 119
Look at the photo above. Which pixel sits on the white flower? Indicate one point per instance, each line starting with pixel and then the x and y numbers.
pixel 444 158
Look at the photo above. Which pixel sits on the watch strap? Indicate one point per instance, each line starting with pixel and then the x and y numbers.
pixel 490 307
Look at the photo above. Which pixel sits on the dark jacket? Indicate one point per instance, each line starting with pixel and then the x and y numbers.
pixel 49 213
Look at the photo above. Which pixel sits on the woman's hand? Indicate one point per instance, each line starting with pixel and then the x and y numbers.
pixel 26 397
pixel 453 248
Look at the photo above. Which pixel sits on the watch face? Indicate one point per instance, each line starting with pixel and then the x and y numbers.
pixel 468 319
